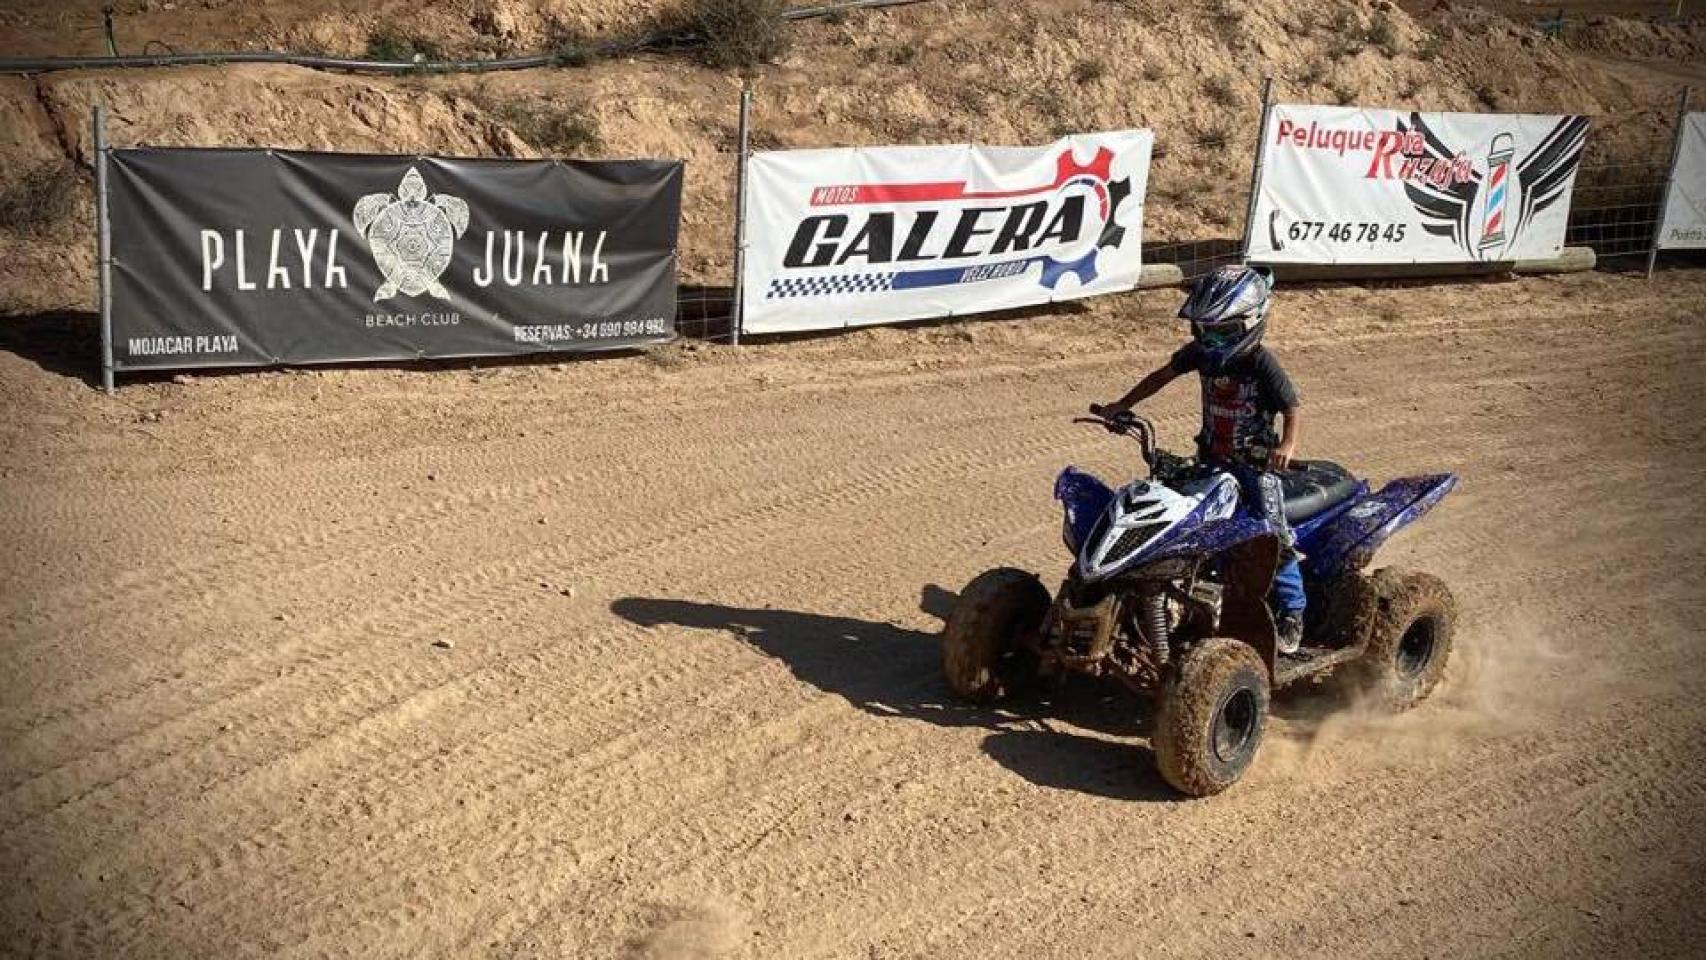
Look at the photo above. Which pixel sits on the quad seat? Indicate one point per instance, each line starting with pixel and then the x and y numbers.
pixel 1314 486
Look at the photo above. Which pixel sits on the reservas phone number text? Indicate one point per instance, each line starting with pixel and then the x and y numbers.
pixel 1346 232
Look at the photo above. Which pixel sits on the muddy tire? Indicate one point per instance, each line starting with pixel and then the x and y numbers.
pixel 1211 717
pixel 1344 611
pixel 1410 639
pixel 981 653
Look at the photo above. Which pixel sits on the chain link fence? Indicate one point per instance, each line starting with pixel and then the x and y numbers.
pixel 1619 194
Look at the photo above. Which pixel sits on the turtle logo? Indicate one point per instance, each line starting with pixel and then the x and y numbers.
pixel 411 236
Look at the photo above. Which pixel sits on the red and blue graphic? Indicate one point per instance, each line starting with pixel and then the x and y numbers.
pixel 1498 191
pixel 1509 194
pixel 1071 176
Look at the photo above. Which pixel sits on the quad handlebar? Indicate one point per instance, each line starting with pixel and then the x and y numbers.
pixel 1126 424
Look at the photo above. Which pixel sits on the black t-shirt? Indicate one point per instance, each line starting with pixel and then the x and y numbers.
pixel 1238 404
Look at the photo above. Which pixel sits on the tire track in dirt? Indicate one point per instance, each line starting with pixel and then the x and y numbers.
pixel 537 749
pixel 486 586
pixel 606 541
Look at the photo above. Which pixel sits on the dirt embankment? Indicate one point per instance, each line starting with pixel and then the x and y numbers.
pixel 1020 72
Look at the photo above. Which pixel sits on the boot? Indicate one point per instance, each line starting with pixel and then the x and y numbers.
pixel 1290 632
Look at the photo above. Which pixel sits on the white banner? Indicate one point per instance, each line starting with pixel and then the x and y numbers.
pixel 1356 185
pixel 1684 223
pixel 840 238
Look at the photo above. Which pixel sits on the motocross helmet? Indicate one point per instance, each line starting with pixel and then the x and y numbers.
pixel 1228 311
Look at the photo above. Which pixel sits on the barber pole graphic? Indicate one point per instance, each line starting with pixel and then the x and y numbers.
pixel 1498 192
pixel 1355 184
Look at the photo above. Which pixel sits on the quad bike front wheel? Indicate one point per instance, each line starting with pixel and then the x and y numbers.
pixel 1211 717
pixel 981 653
pixel 1410 638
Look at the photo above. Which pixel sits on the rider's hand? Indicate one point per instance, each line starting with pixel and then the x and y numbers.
pixel 1280 457
pixel 1107 411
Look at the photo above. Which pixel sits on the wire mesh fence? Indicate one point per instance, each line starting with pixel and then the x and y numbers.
pixel 705 312
pixel 1617 206
pixel 1194 258
pixel 1618 200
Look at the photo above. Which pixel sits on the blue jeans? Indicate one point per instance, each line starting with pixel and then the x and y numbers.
pixel 1266 498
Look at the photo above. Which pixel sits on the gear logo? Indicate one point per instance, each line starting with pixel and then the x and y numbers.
pixel 1077 192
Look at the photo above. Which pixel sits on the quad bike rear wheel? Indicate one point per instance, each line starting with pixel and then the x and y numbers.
pixel 1211 717
pixel 1410 639
pixel 981 653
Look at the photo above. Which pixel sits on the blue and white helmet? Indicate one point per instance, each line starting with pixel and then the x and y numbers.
pixel 1228 311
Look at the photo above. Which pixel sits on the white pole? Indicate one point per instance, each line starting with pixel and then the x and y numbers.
pixel 738 312
pixel 1670 179
pixel 1256 168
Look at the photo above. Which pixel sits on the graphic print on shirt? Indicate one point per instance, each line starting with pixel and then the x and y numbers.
pixel 1232 418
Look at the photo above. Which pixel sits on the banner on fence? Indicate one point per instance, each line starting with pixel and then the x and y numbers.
pixel 1356 185
pixel 1684 223
pixel 249 257
pixel 879 235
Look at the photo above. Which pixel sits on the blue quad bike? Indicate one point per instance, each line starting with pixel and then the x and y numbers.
pixel 1168 595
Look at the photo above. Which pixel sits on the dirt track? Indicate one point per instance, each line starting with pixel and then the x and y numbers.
pixel 692 707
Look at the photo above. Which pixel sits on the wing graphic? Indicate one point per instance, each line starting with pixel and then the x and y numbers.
pixel 1445 210
pixel 1546 172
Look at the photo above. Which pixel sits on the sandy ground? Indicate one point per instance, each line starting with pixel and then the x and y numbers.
pixel 692 706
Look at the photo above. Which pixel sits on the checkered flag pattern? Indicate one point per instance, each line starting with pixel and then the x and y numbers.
pixel 823 286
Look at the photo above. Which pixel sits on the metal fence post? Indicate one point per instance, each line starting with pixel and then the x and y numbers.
pixel 1670 181
pixel 103 249
pixel 738 311
pixel 1256 168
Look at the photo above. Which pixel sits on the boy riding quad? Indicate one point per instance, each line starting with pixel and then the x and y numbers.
pixel 1243 388
pixel 1168 590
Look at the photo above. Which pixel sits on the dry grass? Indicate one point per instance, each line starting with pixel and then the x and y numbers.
pixel 738 34
pixel 394 45
pixel 1088 71
pixel 1219 90
pixel 1213 138
pixel 1383 33
pixel 40 197
pixel 547 126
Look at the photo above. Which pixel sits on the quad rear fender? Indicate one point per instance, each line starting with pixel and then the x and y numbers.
pixel 1350 540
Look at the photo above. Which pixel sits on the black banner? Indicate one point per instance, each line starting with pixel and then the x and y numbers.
pixel 257 257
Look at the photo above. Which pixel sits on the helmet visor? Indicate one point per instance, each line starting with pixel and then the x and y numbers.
pixel 1220 334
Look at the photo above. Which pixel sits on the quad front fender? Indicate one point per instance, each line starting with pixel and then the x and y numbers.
pixel 1209 538
pixel 1085 499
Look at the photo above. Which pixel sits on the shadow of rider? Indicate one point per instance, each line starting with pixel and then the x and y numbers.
pixel 888 670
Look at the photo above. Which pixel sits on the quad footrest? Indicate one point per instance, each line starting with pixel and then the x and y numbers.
pixel 1309 661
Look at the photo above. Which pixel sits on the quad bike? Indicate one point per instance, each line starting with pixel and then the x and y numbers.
pixel 1168 595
